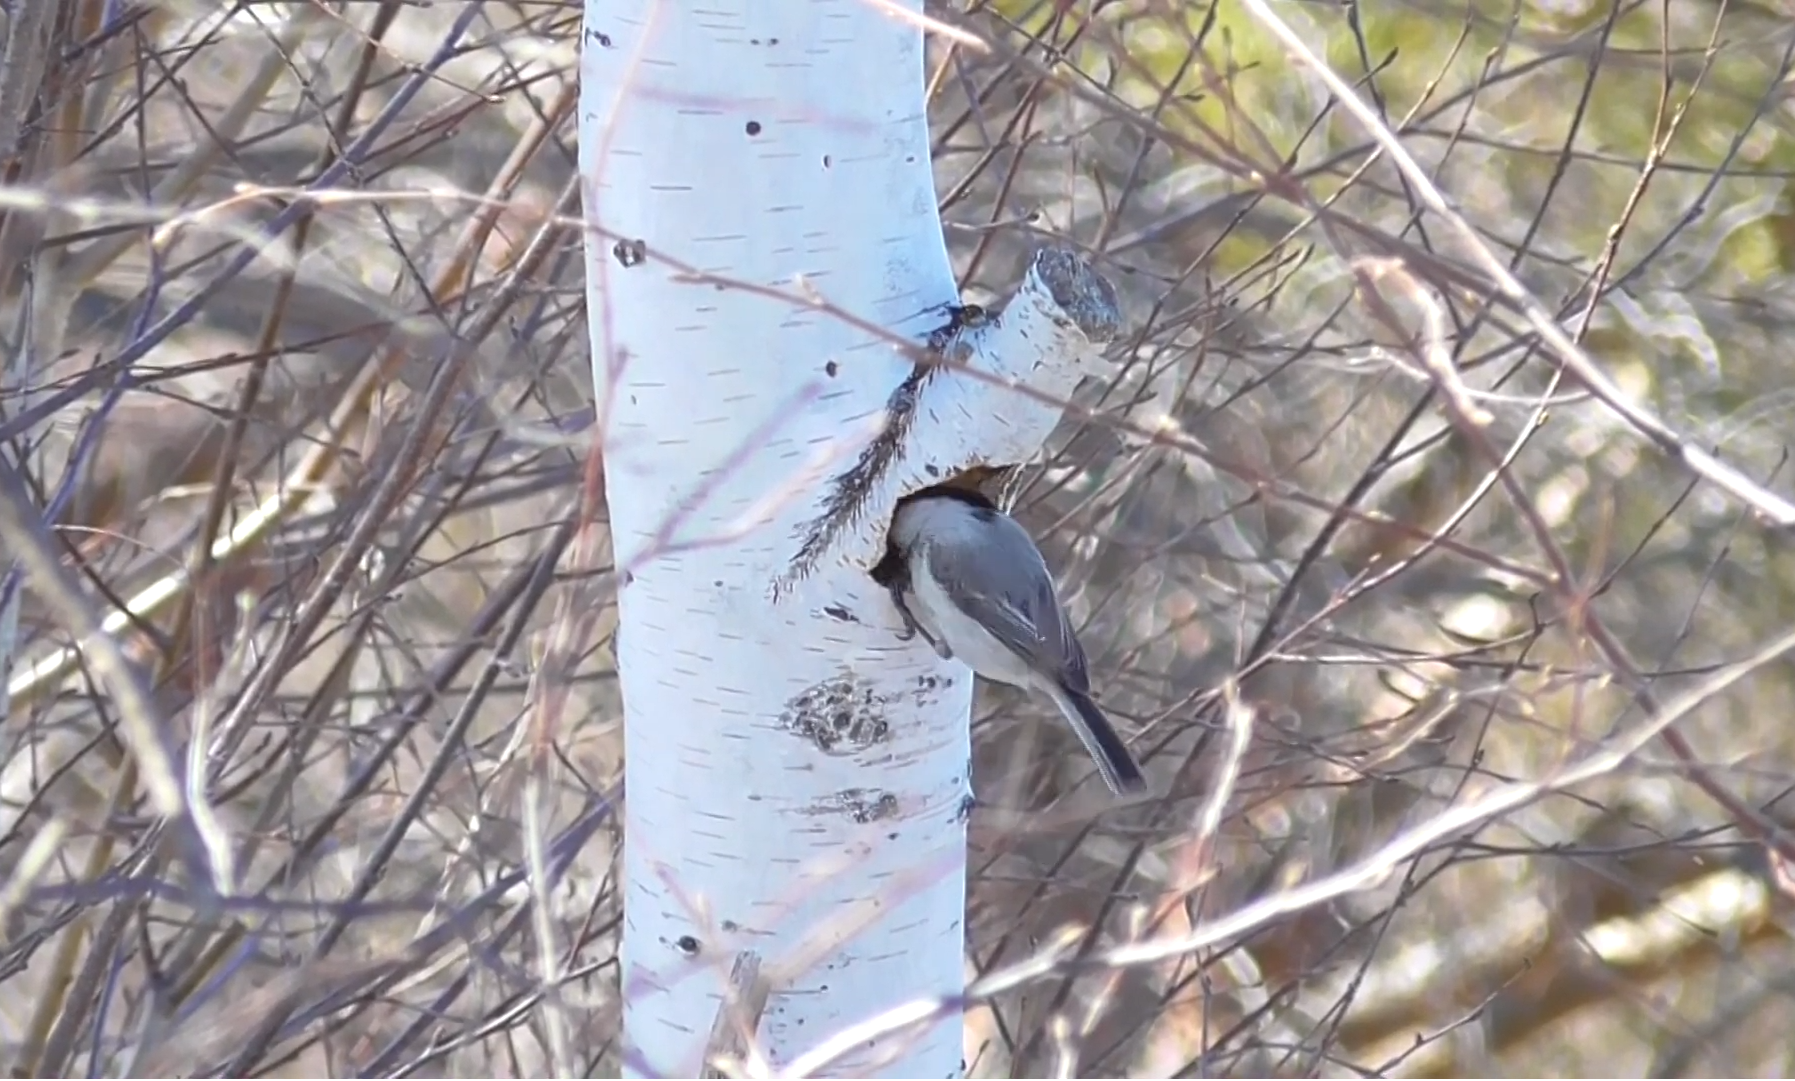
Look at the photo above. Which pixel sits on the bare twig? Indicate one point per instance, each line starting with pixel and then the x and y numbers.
pixel 730 1051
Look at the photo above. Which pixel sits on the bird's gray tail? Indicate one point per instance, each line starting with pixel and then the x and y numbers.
pixel 1114 763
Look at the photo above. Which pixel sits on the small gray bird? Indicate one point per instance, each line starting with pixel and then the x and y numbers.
pixel 971 581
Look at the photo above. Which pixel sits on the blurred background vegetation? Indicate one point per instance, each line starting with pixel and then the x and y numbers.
pixel 296 367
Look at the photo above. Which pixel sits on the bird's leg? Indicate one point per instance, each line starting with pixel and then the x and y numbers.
pixel 911 627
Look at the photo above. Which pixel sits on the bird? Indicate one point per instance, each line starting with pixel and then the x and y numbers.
pixel 970 580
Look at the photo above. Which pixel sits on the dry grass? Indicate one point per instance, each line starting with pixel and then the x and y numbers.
pixel 1444 659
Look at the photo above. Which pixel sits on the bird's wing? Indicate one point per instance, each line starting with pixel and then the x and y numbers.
pixel 1015 601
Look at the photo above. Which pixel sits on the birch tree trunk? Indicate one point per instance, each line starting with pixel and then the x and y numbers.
pixel 762 241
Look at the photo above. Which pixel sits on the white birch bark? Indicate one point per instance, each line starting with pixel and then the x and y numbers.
pixel 797 777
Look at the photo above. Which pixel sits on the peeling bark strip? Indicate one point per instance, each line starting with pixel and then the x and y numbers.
pixel 848 494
